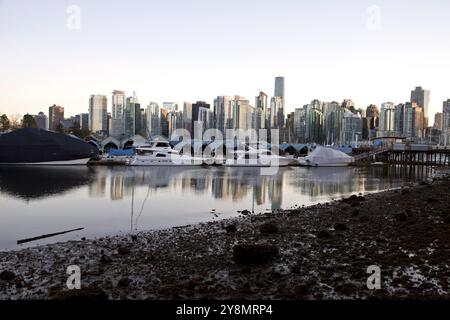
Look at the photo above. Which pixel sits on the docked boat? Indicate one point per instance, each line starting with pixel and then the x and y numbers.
pixel 257 158
pixel 155 155
pixel 32 146
pixel 326 157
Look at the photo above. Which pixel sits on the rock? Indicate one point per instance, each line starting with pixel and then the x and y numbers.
pixel 232 228
pixel 269 228
pixel 432 200
pixel 446 220
pixel 83 239
pixel 254 254
pixel 105 259
pixel 401 217
pixel 84 294
pixel 245 212
pixel 123 251
pixel 355 212
pixel 324 234
pixel 7 275
pixel 134 237
pixel 124 283
pixel 340 227
pixel 301 290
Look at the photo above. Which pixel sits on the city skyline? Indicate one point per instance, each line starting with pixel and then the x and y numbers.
pixel 372 56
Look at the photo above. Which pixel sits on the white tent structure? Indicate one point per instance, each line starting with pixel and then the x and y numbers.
pixel 326 157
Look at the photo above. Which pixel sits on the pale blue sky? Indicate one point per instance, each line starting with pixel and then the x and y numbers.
pixel 188 50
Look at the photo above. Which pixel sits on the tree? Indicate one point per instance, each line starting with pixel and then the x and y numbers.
pixel 15 121
pixel 59 128
pixel 28 121
pixel 5 124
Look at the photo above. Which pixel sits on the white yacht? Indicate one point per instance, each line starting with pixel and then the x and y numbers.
pixel 257 158
pixel 160 153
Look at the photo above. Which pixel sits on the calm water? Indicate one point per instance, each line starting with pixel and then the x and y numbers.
pixel 42 200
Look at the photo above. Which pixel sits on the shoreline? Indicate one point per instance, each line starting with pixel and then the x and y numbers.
pixel 317 252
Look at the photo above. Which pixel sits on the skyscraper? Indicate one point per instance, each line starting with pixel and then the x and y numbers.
pixel 446 122
pixel 387 120
pixel 422 98
pixel 223 113
pixel 118 114
pixel 413 121
pixel 279 93
pixel 195 112
pixel 55 116
pixel 261 109
pixel 98 113
pixel 153 119
pixel 399 119
pixel 187 116
pixel 132 109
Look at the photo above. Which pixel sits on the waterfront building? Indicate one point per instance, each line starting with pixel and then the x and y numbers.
pixel 446 122
pixel 413 121
pixel 261 109
pixel 187 116
pixel 314 122
pixel 422 98
pixel 276 113
pixel 223 114
pixel 352 127
pixel 41 121
pixel 117 127
pixel 387 120
pixel 333 121
pixel 55 116
pixel 399 119
pixel 132 116
pixel 153 119
pixel 98 113
pixel 300 124
pixel 438 120
pixel 83 121
pixel 195 113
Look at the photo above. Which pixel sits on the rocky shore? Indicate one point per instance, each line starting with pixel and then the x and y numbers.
pixel 319 252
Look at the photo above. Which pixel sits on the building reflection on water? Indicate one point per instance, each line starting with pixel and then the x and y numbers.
pixel 231 184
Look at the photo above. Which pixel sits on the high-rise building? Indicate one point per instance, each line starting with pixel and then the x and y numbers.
pixel 223 114
pixel 333 113
pixel 314 122
pixel 399 119
pixel 446 122
pixel 387 120
pixel 117 128
pixel 422 98
pixel 132 116
pixel 187 116
pixel 41 121
pixel 280 93
pixel 98 113
pixel 413 121
pixel 279 87
pixel 300 124
pixel 261 109
pixel 373 120
pixel 352 130
pixel 195 112
pixel 83 120
pixel 276 113
pixel 153 119
pixel 55 116
pixel 438 121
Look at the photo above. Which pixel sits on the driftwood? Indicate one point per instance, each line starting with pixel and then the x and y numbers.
pixel 47 236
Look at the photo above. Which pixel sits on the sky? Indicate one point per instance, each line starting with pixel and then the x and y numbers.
pixel 61 52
